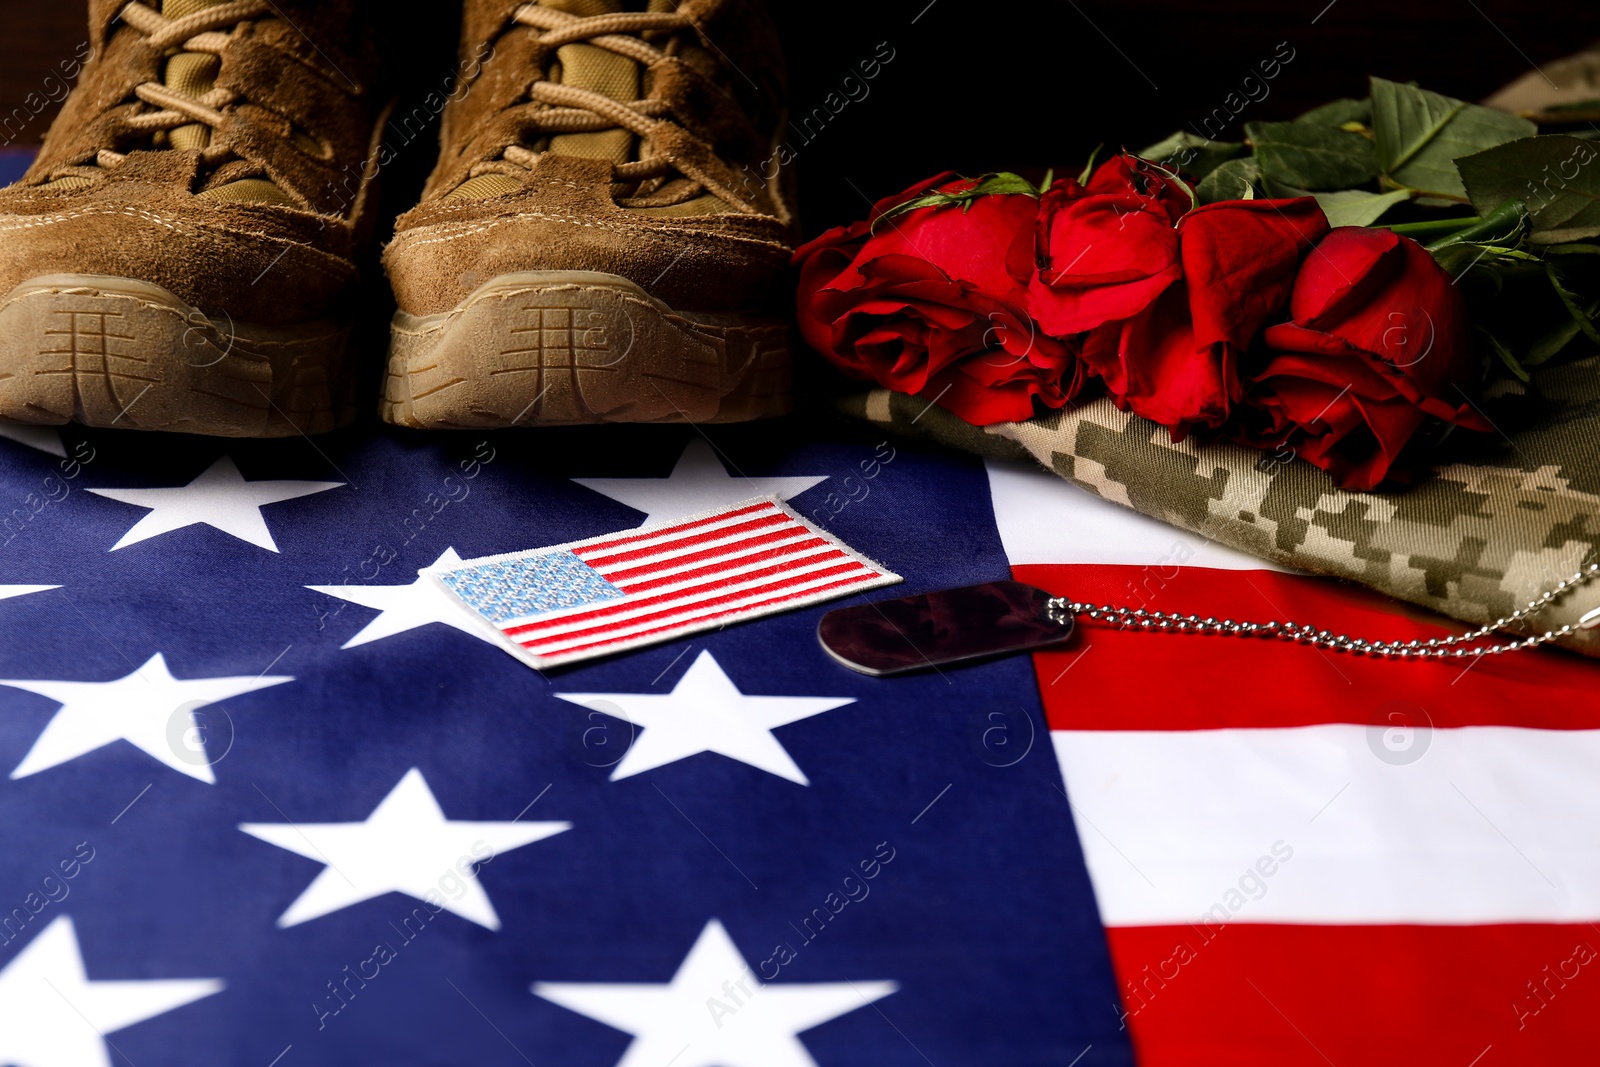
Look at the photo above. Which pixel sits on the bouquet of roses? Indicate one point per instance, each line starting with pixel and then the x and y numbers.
pixel 1247 291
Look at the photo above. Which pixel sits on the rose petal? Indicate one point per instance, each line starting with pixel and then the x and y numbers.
pixel 1155 366
pixel 1240 258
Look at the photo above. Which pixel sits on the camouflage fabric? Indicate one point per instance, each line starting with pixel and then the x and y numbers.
pixel 1474 541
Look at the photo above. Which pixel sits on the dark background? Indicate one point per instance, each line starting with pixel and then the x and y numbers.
pixel 1008 84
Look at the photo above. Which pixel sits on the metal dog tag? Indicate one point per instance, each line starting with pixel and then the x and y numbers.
pixel 950 626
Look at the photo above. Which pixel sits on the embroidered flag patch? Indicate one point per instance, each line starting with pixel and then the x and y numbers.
pixel 641 587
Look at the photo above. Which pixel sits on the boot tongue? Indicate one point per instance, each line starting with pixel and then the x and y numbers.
pixel 588 67
pixel 190 73
pixel 195 74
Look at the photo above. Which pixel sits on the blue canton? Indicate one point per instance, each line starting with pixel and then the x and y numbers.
pixel 512 589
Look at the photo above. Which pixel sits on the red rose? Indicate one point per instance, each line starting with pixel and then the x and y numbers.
pixel 928 304
pixel 1176 362
pixel 1108 249
pixel 1380 341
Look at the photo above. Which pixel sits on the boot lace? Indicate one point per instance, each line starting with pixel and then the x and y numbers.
pixel 207 31
pixel 564 109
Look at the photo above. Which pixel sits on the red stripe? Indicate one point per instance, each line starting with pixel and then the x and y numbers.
pixel 1373 996
pixel 1187 682
pixel 793 556
pixel 622 577
pixel 742 609
pixel 613 542
pixel 677 597
pixel 676 605
pixel 599 562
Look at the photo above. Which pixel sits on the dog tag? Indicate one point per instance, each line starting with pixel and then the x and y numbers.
pixel 935 629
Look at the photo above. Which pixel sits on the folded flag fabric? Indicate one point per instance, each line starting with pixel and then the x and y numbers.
pixel 604 595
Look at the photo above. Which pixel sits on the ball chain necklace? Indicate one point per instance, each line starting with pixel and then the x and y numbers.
pixel 995 618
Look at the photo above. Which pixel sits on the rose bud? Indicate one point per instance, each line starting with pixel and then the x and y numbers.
pixel 1379 343
pixel 1177 361
pixel 933 302
pixel 1108 249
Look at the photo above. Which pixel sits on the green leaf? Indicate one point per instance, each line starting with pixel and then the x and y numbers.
pixel 1504 353
pixel 1002 184
pixel 1506 226
pixel 1570 300
pixel 1421 134
pixel 1357 207
pixel 1549 344
pixel 1457 259
pixel 1308 156
pixel 1189 152
pixel 1279 190
pixel 1088 166
pixel 1234 180
pixel 1339 112
pixel 1552 174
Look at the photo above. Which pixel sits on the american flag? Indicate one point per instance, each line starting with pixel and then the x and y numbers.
pixel 608 594
pixel 275 799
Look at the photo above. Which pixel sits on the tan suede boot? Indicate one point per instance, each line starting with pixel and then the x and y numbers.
pixel 181 255
pixel 602 237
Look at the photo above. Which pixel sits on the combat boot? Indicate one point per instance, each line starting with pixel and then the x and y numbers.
pixel 606 233
pixel 183 253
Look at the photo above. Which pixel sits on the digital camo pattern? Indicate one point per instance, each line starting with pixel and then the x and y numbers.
pixel 1475 541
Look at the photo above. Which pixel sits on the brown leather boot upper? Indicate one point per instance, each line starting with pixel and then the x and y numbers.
pixel 223 152
pixel 594 135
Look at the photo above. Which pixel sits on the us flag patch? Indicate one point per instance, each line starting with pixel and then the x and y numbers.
pixel 606 594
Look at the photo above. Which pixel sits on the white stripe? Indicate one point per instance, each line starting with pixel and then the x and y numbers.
pixel 1046 519
pixel 734 549
pixel 798 561
pixel 667 572
pixel 1490 825
pixel 688 607
pixel 823 554
pixel 792 532
pixel 792 600
pixel 606 546
pixel 553 644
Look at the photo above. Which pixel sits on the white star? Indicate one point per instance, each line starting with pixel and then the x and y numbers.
pixel 9 591
pixel 698 483
pixel 715 1012
pixel 405 846
pixel 52 1015
pixel 219 497
pixel 406 607
pixel 705 712
pixel 149 708
pixel 44 438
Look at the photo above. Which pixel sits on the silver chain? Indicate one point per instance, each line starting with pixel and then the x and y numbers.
pixel 1455 646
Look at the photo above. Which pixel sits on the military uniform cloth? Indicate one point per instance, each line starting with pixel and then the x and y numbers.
pixel 1474 540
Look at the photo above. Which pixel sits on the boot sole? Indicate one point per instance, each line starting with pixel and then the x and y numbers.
pixel 569 348
pixel 106 351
